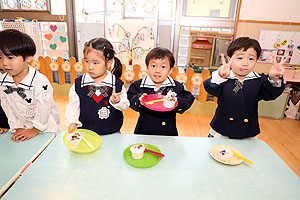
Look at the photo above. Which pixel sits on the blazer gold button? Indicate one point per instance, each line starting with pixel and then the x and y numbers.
pixel 246 120
pixel 163 123
pixel 231 118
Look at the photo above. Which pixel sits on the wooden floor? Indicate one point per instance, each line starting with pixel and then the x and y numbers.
pixel 283 136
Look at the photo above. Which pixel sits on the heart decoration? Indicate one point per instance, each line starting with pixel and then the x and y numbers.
pixel 53 28
pixel 48 36
pixel 61 29
pixel 55 38
pixel 53 46
pixel 63 39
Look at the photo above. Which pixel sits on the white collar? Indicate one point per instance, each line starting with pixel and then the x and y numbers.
pixel 148 83
pixel 251 75
pixel 109 80
pixel 26 83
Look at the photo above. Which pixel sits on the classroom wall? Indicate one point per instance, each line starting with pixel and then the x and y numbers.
pixel 270 10
pixel 256 15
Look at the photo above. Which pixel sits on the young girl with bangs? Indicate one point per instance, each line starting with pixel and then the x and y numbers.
pixel 97 98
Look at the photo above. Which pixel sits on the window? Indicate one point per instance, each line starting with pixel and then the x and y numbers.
pixel 25 5
pixel 210 8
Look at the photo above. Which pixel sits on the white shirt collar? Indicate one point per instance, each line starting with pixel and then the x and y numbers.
pixel 148 83
pixel 251 75
pixel 109 80
pixel 26 83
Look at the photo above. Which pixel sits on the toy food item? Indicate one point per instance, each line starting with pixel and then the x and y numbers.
pixel 224 154
pixel 137 151
pixel 169 101
pixel 74 139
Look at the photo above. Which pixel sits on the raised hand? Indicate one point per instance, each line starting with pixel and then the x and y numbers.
pixel 276 71
pixel 115 97
pixel 224 70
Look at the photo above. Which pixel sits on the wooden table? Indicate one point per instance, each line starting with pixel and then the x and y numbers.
pixel 187 172
pixel 16 157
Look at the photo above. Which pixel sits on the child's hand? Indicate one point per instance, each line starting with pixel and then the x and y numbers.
pixel 72 127
pixel 3 130
pixel 141 97
pixel 224 70
pixel 276 71
pixel 115 97
pixel 24 134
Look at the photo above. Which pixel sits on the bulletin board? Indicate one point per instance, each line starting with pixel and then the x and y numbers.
pixel 54 39
pixel 281 44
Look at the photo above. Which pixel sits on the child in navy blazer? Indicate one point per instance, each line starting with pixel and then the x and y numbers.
pixel 239 89
pixel 4 126
pixel 97 98
pixel 160 62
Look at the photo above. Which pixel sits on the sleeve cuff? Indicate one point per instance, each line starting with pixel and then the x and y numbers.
pixel 216 78
pixel 79 124
pixel 275 83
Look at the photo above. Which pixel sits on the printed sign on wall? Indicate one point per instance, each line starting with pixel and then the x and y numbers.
pixel 55 39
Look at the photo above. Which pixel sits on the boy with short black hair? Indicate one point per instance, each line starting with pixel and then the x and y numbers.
pixel 160 62
pixel 26 94
pixel 239 89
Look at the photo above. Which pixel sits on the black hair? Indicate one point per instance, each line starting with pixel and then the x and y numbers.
pixel 102 44
pixel 160 53
pixel 244 43
pixel 17 43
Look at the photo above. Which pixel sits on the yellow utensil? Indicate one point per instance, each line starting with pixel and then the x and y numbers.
pixel 241 157
pixel 88 143
pixel 154 101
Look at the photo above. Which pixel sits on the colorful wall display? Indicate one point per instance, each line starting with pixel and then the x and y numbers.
pixel 54 39
pixel 281 44
pixel 40 5
pixel 132 39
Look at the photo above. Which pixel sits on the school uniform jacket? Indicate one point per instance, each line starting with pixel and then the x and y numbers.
pixel 29 104
pixel 153 122
pixel 236 115
pixel 94 111
pixel 3 119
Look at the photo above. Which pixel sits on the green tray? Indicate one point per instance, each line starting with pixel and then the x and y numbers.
pixel 149 159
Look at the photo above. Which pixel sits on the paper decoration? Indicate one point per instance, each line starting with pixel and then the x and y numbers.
pixel 118 5
pixel 281 44
pixel 25 4
pixel 131 6
pixel 55 39
pixel 40 5
pixel 10 4
pixel 132 39
pixel 149 6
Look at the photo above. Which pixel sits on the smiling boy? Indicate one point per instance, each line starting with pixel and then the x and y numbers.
pixel 239 89
pixel 160 62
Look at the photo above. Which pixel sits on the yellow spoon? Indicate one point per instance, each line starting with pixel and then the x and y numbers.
pixel 87 142
pixel 241 157
pixel 154 101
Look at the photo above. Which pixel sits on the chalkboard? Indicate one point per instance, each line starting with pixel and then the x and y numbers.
pixel 281 44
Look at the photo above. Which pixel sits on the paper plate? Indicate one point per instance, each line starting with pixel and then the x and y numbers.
pixel 149 159
pixel 157 106
pixel 92 137
pixel 232 161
